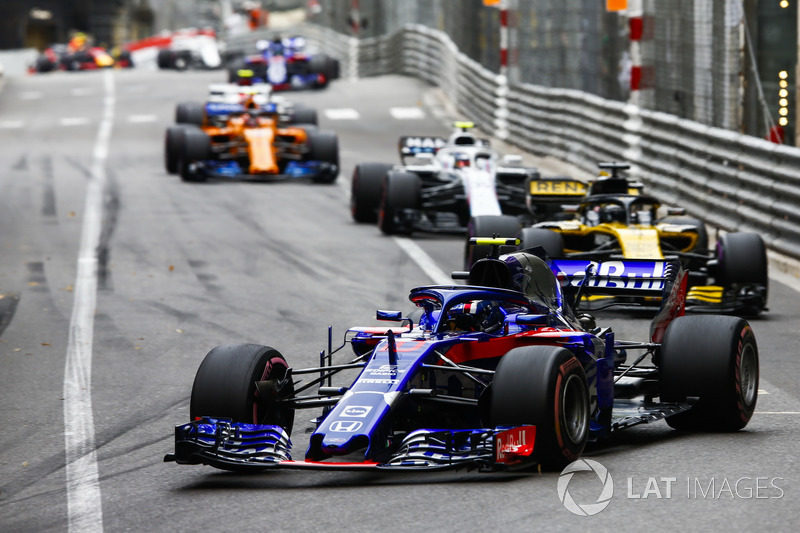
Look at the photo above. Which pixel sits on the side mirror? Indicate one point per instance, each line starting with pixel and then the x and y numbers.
pixel 533 320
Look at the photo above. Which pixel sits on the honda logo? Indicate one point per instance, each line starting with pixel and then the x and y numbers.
pixel 346 426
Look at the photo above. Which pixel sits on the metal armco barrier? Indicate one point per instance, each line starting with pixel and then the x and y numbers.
pixel 733 181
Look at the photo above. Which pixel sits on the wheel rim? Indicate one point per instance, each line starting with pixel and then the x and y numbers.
pixel 575 406
pixel 748 375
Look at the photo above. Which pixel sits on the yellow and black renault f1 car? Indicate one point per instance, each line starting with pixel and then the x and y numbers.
pixel 615 221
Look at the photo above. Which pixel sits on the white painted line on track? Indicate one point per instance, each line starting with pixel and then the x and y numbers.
pixel 139 119
pixel 424 261
pixel 84 504
pixel 407 113
pixel 30 95
pixel 82 91
pixel 11 124
pixel 74 121
pixel 342 114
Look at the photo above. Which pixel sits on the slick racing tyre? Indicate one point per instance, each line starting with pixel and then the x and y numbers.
pixel 165 59
pixel 196 147
pixel 365 191
pixel 551 241
pixel 400 193
pixel 245 383
pixel 43 64
pixel 543 386
pixel 189 113
pixel 173 140
pixel 489 226
pixel 324 147
pixel 304 115
pixel 713 359
pixel 742 259
pixel 322 64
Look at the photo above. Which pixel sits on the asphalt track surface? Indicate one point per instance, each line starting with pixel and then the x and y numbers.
pixel 183 267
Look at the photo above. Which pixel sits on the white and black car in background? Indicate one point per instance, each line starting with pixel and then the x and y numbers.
pixel 448 187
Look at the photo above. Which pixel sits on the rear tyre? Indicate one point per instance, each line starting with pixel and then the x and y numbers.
pixel 304 115
pixel 400 192
pixel 487 226
pixel 324 147
pixel 190 113
pixel 365 191
pixel 165 59
pixel 742 260
pixel 714 359
pixel 173 140
pixel 43 64
pixel 321 64
pixel 551 241
pixel 196 147
pixel 243 382
pixel 543 386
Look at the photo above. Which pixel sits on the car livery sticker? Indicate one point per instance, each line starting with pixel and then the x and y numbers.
pixel 641 275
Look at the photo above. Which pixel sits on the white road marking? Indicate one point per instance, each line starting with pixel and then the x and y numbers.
pixel 407 113
pixel 30 95
pixel 424 261
pixel 84 503
pixel 342 114
pixel 11 124
pixel 74 121
pixel 138 119
pixel 82 91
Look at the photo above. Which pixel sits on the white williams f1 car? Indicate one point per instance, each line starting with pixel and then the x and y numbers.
pixel 449 183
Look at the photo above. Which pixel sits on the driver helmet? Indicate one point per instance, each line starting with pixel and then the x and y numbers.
pixel 462 161
pixel 613 213
pixel 477 315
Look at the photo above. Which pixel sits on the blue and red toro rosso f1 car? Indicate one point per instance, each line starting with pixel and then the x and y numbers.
pixel 496 374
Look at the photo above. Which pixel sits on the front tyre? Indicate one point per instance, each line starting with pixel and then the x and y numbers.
pixel 489 226
pixel 544 386
pixel 196 147
pixel 365 190
pixel 551 241
pixel 245 383
pixel 401 193
pixel 714 359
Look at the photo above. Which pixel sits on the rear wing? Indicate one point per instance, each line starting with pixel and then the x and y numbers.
pixel 410 146
pixel 548 195
pixel 631 278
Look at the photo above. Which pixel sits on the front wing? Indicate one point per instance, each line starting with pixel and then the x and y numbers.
pixel 249 447
pixel 293 170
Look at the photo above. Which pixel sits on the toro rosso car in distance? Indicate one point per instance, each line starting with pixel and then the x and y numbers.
pixel 615 221
pixel 254 138
pixel 450 183
pixel 284 64
pixel 496 374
